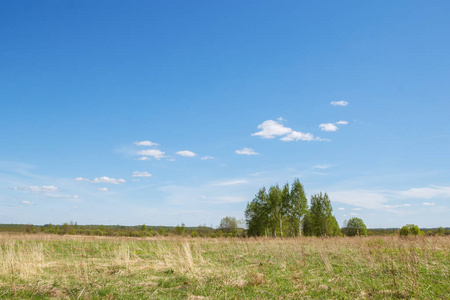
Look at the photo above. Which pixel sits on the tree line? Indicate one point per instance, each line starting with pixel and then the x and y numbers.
pixel 285 212
pixel 227 228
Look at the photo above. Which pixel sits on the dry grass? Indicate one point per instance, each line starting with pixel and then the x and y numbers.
pixel 80 267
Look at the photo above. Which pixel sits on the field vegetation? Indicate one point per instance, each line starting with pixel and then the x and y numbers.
pixel 43 266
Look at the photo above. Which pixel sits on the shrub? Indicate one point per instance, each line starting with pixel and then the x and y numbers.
pixel 194 234
pixel 355 226
pixel 410 229
pixel 441 231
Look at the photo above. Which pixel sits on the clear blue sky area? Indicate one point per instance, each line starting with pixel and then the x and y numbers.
pixel 163 112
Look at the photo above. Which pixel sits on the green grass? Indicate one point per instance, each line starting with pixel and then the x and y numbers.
pixel 75 267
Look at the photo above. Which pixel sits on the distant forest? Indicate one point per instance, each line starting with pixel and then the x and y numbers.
pixel 149 231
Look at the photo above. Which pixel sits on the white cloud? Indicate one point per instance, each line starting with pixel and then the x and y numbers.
pixel 207 157
pixel 271 129
pixel 39 189
pixel 397 205
pixel 339 103
pixel 144 158
pixel 228 199
pixel 103 179
pixel 328 127
pixel 297 136
pixel 103 189
pixel 186 153
pixel 157 154
pixel 27 203
pixel 356 208
pixel 49 191
pixel 341 208
pixel 342 123
pixel 323 167
pixel 141 174
pixel 146 143
pixel 360 198
pixel 62 196
pixel 246 151
pixel 426 193
pixel 380 199
pixel 232 182
pixel 353 214
pixel 222 199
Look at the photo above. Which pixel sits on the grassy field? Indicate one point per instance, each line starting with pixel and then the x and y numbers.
pixel 80 267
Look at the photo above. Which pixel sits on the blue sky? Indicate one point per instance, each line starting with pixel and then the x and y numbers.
pixel 157 112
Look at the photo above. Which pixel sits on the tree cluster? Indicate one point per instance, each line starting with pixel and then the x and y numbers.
pixel 285 210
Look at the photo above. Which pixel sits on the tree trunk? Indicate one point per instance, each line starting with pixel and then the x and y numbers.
pixel 281 228
pixel 300 228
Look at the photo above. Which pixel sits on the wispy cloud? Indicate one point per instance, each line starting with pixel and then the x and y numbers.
pixel 231 182
pixel 382 200
pixel 141 174
pixel 207 157
pixel 155 153
pixel 246 151
pixel 360 198
pixel 341 208
pixel 339 103
pixel 342 123
pixel 103 189
pixel 103 179
pixel 426 192
pixel 39 189
pixel 322 167
pixel 146 143
pixel 297 136
pixel 144 158
pixel 228 192
pixel 49 191
pixel 228 199
pixel 65 197
pixel 186 153
pixel 27 203
pixel 397 205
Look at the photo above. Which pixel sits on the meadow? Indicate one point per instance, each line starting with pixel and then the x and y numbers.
pixel 44 266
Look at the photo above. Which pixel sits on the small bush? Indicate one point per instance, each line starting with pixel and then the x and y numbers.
pixel 355 226
pixel 410 229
